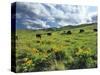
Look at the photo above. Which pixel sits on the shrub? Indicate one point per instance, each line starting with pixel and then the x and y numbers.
pixel 83 59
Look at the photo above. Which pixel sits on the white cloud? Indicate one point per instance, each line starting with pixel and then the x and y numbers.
pixel 38 15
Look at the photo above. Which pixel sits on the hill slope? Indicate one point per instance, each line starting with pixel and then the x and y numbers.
pixel 57 51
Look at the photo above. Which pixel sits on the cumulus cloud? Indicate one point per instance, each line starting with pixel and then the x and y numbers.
pixel 40 15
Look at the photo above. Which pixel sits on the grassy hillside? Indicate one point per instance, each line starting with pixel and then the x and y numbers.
pixel 58 51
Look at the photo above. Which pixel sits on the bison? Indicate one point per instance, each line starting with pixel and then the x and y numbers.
pixel 69 32
pixel 49 34
pixel 95 30
pixel 81 30
pixel 38 35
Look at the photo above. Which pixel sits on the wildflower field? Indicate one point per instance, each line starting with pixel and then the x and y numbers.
pixel 57 51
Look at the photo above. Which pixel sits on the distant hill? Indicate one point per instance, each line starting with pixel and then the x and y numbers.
pixel 69 27
pixel 62 28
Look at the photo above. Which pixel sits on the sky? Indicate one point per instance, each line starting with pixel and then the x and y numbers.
pixel 42 15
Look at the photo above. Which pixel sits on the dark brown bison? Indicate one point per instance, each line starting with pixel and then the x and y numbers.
pixel 69 32
pixel 95 30
pixel 38 35
pixel 49 34
pixel 81 30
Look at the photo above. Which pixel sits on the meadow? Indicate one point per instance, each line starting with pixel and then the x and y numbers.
pixel 57 51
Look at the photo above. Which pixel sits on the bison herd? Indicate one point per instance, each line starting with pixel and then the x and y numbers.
pixel 64 32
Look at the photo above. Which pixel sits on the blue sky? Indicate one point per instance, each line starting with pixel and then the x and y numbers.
pixel 92 9
pixel 40 15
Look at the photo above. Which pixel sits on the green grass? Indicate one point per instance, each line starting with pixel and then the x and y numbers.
pixel 58 51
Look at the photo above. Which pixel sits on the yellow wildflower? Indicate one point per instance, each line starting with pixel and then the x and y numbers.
pixel 34 50
pixel 29 62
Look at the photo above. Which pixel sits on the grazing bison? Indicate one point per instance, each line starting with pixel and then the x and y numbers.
pixel 95 30
pixel 69 32
pixel 49 34
pixel 81 30
pixel 38 35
